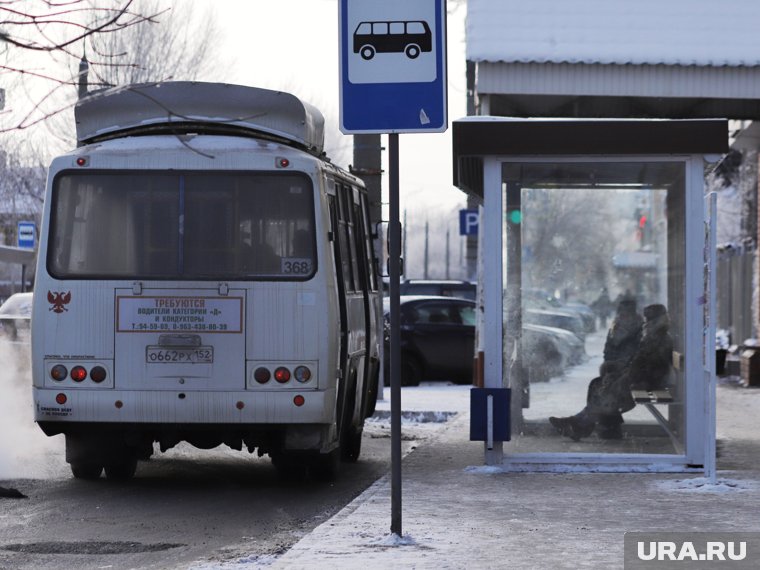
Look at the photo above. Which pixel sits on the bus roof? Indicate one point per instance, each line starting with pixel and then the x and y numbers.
pixel 189 106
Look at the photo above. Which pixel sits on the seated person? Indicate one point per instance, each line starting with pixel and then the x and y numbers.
pixel 650 367
pixel 609 395
pixel 624 335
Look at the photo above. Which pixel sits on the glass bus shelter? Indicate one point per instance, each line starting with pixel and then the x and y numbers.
pixel 594 271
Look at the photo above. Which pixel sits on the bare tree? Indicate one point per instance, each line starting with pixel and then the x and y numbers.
pixel 165 47
pixel 171 44
pixel 123 47
pixel 568 240
pixel 37 35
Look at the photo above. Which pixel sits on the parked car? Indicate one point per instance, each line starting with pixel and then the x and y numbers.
pixel 438 336
pixel 440 287
pixel 15 318
pixel 558 318
pixel 542 299
pixel 586 313
pixel 548 351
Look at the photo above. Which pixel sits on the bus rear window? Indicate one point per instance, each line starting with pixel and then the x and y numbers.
pixel 195 225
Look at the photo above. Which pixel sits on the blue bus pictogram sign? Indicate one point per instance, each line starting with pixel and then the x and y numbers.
pixel 393 66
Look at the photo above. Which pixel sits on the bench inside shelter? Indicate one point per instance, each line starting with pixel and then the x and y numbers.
pixel 651 398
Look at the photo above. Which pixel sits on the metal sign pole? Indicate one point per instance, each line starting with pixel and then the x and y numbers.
pixel 416 83
pixel 394 254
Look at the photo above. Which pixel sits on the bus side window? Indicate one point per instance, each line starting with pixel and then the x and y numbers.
pixel 344 239
pixel 368 250
pixel 352 229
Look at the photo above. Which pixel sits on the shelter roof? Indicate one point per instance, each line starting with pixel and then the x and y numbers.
pixel 642 32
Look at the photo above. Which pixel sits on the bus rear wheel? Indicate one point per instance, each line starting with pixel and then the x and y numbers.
pixel 86 471
pixel 350 438
pixel 121 470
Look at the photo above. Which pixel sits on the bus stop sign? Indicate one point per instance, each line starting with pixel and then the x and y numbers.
pixel 392 66
pixel 27 233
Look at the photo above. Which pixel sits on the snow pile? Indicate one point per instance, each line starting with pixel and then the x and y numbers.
pixel 704 485
pixel 394 539
pixel 414 417
pixel 722 339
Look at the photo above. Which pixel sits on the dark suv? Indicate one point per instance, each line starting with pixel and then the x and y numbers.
pixel 437 339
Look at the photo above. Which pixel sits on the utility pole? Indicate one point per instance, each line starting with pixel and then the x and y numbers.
pixel 368 166
pixel 471 247
pixel 448 232
pixel 427 235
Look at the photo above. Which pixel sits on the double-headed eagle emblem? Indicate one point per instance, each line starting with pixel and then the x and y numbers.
pixel 58 301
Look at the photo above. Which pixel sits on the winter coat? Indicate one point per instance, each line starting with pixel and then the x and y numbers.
pixel 650 367
pixel 609 394
pixel 623 338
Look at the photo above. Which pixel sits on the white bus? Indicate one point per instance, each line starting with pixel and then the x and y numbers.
pixel 205 275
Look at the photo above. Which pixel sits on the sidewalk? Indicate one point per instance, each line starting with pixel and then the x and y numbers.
pixel 458 514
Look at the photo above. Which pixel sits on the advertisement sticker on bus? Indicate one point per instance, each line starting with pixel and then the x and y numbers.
pixel 170 314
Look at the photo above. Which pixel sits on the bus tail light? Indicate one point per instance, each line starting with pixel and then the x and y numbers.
pixel 61 399
pixel 302 374
pixel 98 374
pixel 59 372
pixel 262 375
pixel 282 375
pixel 78 373
pixel 299 400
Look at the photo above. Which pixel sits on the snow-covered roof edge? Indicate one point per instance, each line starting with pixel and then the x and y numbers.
pixel 641 32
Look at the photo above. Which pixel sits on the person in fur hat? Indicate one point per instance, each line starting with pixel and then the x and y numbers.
pixel 609 395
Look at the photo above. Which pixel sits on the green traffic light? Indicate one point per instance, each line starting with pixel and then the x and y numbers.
pixel 515 216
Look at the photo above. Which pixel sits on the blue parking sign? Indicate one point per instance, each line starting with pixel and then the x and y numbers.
pixel 469 220
pixel 393 66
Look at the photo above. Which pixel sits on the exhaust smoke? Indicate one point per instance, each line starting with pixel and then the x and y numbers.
pixel 25 452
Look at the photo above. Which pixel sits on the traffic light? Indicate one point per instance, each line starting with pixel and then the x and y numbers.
pixel 643 228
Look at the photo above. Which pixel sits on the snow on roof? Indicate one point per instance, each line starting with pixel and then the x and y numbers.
pixel 672 32
pixel 124 109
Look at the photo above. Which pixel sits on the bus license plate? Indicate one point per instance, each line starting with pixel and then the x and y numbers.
pixel 179 355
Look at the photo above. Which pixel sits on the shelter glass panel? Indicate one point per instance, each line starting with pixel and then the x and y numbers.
pixel 593 306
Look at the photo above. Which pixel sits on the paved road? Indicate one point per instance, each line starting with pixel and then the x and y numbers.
pixel 185 508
